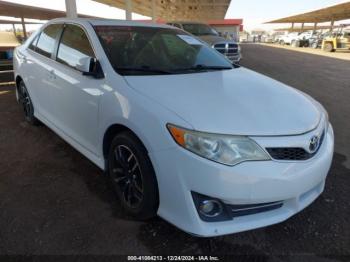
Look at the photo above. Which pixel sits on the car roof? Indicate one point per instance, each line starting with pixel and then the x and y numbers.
pixel 106 22
pixel 187 22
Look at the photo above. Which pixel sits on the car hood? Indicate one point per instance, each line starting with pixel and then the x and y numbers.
pixel 237 101
pixel 213 39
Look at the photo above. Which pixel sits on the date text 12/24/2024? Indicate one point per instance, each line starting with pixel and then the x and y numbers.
pixel 173 258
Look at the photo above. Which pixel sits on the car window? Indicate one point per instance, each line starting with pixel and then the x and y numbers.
pixel 47 40
pixel 199 29
pixel 74 46
pixel 33 44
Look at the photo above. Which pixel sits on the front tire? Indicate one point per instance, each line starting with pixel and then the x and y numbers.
pixel 132 176
pixel 27 104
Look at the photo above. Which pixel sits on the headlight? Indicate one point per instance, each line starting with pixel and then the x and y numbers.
pixel 224 149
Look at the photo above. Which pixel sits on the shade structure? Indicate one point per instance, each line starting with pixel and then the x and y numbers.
pixel 305 28
pixel 332 13
pixel 31 12
pixel 189 10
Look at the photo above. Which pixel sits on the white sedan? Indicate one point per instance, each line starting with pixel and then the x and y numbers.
pixel 180 132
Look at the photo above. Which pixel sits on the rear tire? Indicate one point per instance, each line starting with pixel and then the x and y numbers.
pixel 27 104
pixel 132 177
pixel 328 47
pixel 314 45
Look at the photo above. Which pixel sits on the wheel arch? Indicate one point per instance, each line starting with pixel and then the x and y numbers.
pixel 18 79
pixel 111 132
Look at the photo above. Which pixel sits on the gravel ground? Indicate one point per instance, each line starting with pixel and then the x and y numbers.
pixel 53 201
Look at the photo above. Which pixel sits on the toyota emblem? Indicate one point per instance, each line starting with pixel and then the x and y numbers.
pixel 314 143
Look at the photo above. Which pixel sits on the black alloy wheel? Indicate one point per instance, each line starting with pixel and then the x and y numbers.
pixel 127 175
pixel 26 103
pixel 132 176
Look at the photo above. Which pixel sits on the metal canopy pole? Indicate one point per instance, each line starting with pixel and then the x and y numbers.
pixel 24 28
pixel 71 9
pixel 154 11
pixel 332 25
pixel 128 9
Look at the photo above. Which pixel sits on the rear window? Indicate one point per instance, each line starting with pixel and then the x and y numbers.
pixel 47 40
pixel 33 44
pixel 74 46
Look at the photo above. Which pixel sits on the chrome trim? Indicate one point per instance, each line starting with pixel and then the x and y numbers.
pixel 257 207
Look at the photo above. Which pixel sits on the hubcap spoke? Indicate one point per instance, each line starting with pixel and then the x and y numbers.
pixel 137 187
pixel 128 194
pixel 120 179
pixel 134 167
pixel 120 158
pixel 137 192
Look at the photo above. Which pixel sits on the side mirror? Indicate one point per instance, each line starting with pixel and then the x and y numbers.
pixel 90 66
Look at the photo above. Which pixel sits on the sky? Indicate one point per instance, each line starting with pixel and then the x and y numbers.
pixel 253 12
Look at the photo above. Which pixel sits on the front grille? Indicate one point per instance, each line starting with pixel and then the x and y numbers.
pixel 292 153
pixel 227 48
pixel 289 153
pixel 251 209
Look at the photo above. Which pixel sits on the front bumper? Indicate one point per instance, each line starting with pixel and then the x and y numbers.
pixel 296 183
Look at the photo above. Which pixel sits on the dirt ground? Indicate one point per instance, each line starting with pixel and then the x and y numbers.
pixel 53 201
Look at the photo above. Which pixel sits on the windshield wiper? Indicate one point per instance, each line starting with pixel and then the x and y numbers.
pixel 143 69
pixel 204 68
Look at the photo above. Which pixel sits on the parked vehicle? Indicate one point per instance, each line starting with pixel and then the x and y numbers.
pixel 288 38
pixel 211 147
pixel 316 40
pixel 302 40
pixel 296 39
pixel 340 40
pixel 229 48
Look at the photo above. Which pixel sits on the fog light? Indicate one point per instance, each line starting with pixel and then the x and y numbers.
pixel 210 208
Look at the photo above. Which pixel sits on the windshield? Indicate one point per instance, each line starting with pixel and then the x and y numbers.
pixel 139 50
pixel 199 29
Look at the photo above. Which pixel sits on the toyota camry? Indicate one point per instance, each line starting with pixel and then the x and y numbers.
pixel 180 131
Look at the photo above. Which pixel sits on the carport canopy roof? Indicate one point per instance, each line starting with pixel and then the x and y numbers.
pixel 170 10
pixel 305 28
pixel 31 12
pixel 332 13
pixel 17 22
